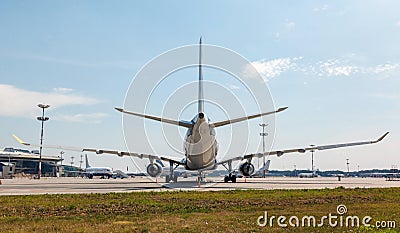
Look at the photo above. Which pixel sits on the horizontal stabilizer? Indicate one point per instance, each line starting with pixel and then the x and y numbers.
pixel 173 122
pixel 227 122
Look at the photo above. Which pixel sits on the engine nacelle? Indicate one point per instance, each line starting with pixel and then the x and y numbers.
pixel 246 169
pixel 279 153
pixel 154 170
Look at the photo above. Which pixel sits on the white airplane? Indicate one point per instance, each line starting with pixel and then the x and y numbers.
pixel 308 175
pixel 200 146
pixel 103 172
pixel 260 172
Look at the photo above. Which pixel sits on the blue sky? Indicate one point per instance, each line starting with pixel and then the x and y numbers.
pixel 335 64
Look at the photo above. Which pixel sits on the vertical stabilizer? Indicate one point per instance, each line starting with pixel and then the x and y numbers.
pixel 264 168
pixel 87 161
pixel 201 96
pixel 266 165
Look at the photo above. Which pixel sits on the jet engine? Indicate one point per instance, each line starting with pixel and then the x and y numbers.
pixel 154 169
pixel 246 169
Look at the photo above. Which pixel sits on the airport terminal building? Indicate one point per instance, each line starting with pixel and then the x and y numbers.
pixel 27 162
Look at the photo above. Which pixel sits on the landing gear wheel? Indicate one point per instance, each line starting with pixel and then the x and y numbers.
pixel 175 179
pixel 167 179
pixel 230 177
pixel 226 179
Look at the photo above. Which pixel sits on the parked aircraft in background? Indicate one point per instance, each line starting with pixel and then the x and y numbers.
pixel 308 175
pixel 260 172
pixel 119 174
pixel 90 172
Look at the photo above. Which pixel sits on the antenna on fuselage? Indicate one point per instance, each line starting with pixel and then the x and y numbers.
pixel 200 100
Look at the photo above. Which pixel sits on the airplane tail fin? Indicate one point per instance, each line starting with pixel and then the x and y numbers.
pixel 200 100
pixel 266 165
pixel 264 168
pixel 87 161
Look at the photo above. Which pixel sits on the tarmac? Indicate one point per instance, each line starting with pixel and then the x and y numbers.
pixel 24 186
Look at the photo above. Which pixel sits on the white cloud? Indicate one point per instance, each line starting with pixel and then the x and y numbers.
pixel 290 25
pixel 269 69
pixel 329 68
pixel 23 103
pixel 62 90
pixel 334 68
pixel 340 68
pixel 323 8
pixel 91 118
pixel 383 68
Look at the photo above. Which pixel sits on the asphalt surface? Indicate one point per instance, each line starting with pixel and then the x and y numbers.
pixel 24 186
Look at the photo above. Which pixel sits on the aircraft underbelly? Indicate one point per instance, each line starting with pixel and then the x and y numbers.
pixel 201 161
pixel 200 149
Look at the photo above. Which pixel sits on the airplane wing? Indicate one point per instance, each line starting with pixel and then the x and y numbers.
pixel 114 152
pixel 227 122
pixel 141 156
pixel 186 124
pixel 46 146
pixel 302 150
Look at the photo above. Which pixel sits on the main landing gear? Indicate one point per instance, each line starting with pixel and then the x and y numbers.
pixel 172 176
pixel 200 177
pixel 169 178
pixel 230 177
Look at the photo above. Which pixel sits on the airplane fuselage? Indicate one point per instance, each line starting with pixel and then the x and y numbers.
pixel 98 171
pixel 200 146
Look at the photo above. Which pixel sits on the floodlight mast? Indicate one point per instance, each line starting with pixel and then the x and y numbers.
pixel 42 119
pixel 312 160
pixel 263 134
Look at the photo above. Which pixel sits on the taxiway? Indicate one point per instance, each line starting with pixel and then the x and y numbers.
pixel 80 185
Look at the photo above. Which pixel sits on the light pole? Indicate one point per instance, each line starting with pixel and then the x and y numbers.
pixel 81 161
pixel 61 170
pixel 61 154
pixel 263 134
pixel 42 119
pixel 348 168
pixel 312 159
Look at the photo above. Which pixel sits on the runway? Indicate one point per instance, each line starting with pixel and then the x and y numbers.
pixel 23 186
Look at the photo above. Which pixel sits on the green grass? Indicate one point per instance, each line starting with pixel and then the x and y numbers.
pixel 222 211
